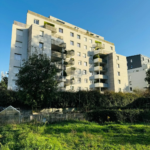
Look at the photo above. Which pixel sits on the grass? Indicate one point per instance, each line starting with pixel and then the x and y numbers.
pixel 75 135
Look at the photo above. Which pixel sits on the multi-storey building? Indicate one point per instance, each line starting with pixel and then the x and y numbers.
pixel 137 67
pixel 85 59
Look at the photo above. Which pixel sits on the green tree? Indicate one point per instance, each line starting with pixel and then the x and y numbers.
pixel 147 79
pixel 37 84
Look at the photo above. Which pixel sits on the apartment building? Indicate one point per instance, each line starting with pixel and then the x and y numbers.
pixel 85 59
pixel 137 67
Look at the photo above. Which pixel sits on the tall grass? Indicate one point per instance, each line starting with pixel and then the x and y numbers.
pixel 78 135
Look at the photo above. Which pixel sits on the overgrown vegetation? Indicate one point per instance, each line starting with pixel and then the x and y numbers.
pixel 147 79
pixel 77 135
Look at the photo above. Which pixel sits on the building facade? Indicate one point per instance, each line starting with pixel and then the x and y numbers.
pixel 85 59
pixel 137 67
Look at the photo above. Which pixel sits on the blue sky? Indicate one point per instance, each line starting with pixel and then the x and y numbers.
pixel 126 23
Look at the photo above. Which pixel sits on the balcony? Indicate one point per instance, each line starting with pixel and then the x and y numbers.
pixel 57 36
pixel 69 63
pixel 69 82
pixel 70 71
pixel 97 60
pixel 98 68
pixel 56 56
pixel 49 27
pixel 70 53
pixel 101 85
pixel 99 46
pixel 98 76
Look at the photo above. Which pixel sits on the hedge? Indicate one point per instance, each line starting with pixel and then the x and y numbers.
pixel 127 115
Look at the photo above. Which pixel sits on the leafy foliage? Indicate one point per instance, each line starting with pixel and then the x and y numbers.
pixel 37 81
pixel 148 77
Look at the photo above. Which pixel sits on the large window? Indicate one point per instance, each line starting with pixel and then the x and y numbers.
pixel 78 37
pixel 17 56
pixel 41 45
pixel 85 39
pixel 85 47
pixel 90 41
pixel 79 80
pixel 84 55
pixel 84 72
pixel 71 34
pixel 16 69
pixel 60 30
pixel 78 45
pixel 85 63
pixel 79 62
pixel 86 80
pixel 71 42
pixel 78 54
pixel 41 33
pixel 19 32
pixel 18 44
pixel 36 21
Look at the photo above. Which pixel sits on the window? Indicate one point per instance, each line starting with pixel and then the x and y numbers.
pixel 79 71
pixel 17 56
pixel 71 87
pixel 36 21
pixel 41 45
pixel 78 54
pixel 119 89
pixel 78 36
pixel 79 80
pixel 118 65
pixel 91 81
pixel 130 82
pixel 85 47
pixel 79 89
pixel 119 82
pixel 131 60
pixel 79 62
pixel 117 57
pixel 86 80
pixel 71 34
pixel 111 47
pixel 85 63
pixel 130 88
pixel 85 39
pixel 137 70
pixel 148 60
pixel 131 66
pixel 143 58
pixel 84 55
pixel 71 42
pixel 16 69
pixel 18 44
pixel 91 73
pixel 118 73
pixel 78 45
pixel 90 41
pixel 90 48
pixel 84 72
pixel 41 33
pixel 60 30
pixel 19 32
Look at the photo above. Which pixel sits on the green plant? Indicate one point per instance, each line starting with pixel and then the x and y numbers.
pixel 49 24
pixel 98 42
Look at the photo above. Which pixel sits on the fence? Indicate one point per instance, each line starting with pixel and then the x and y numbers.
pixel 41 118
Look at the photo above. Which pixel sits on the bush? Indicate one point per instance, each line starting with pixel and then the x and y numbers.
pixel 127 115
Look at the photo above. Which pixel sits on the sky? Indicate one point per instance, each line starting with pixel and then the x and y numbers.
pixel 126 23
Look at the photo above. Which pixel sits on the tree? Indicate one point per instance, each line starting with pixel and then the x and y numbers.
pixel 36 82
pixel 147 79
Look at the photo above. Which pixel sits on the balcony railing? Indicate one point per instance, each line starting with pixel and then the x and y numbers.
pixel 70 53
pixel 97 68
pixel 101 85
pixel 69 82
pixel 53 29
pixel 57 36
pixel 71 71
pixel 99 46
